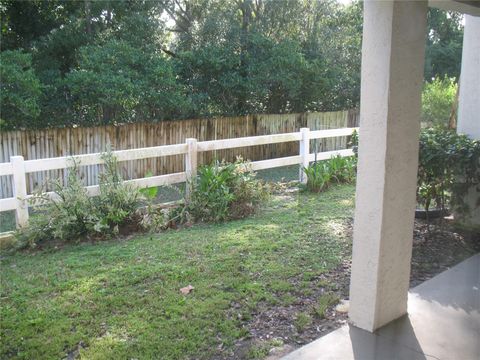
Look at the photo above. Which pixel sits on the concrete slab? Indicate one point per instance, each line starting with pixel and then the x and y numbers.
pixel 443 323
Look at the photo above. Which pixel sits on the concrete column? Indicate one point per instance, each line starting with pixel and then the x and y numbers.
pixel 392 75
pixel 469 98
pixel 469 107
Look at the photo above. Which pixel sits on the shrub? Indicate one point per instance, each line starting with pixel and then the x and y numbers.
pixel 353 142
pixel 118 201
pixel 437 100
pixel 223 191
pixel 70 214
pixel 320 175
pixel 448 165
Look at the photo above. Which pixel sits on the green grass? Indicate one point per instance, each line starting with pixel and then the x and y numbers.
pixel 121 299
pixel 302 321
pixel 7 221
pixel 324 302
pixel 284 173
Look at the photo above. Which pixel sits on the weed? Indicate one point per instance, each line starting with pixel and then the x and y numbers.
pixel 302 321
pixel 327 300
pixel 261 350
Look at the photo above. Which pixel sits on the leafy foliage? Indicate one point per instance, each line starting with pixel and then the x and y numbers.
pixel 103 62
pixel 225 191
pixel 448 165
pixel 353 142
pixel 70 214
pixel 149 192
pixel 20 89
pixel 107 62
pixel 220 192
pixel 116 81
pixel 118 201
pixel 443 55
pixel 338 169
pixel 437 100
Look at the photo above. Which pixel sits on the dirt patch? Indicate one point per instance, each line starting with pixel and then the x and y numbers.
pixel 439 246
pixel 276 330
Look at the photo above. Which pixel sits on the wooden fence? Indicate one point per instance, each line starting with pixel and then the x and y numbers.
pixel 18 168
pixel 60 142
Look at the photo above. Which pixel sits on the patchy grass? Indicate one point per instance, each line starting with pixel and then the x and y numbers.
pixel 121 299
pixel 302 321
pixel 324 302
pixel 262 349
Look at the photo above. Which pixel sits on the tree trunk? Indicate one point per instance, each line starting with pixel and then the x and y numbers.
pixel 246 10
pixel 88 17
pixel 452 123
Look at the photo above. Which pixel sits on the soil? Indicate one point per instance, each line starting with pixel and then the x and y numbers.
pixel 436 248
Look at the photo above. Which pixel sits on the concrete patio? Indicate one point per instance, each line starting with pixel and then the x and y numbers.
pixel 443 322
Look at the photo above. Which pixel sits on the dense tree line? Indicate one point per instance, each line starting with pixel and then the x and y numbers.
pixel 88 62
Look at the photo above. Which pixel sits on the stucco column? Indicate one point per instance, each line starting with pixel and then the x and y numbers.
pixel 469 97
pixel 392 75
pixel 469 107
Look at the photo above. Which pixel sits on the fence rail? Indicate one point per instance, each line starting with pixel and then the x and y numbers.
pixel 18 168
pixel 64 142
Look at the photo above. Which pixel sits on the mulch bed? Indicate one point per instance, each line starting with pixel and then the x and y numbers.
pixel 436 248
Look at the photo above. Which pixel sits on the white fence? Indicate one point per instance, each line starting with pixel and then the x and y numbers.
pixel 18 167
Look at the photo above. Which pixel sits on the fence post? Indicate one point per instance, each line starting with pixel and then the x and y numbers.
pixel 304 153
pixel 20 190
pixel 190 164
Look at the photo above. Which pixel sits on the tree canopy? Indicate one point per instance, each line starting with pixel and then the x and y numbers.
pixel 89 62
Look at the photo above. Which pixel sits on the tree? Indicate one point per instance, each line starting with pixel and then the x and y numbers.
pixel 444 44
pixel 438 97
pixel 111 61
pixel 116 82
pixel 268 56
pixel 20 90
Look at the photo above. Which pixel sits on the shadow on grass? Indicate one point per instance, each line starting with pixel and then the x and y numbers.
pixel 122 298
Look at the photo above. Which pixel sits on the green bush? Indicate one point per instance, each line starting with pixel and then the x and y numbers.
pixel 223 191
pixel 437 100
pixel 448 165
pixel 70 214
pixel 118 201
pixel 220 192
pixel 320 175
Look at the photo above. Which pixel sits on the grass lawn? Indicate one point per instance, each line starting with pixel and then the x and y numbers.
pixel 121 299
